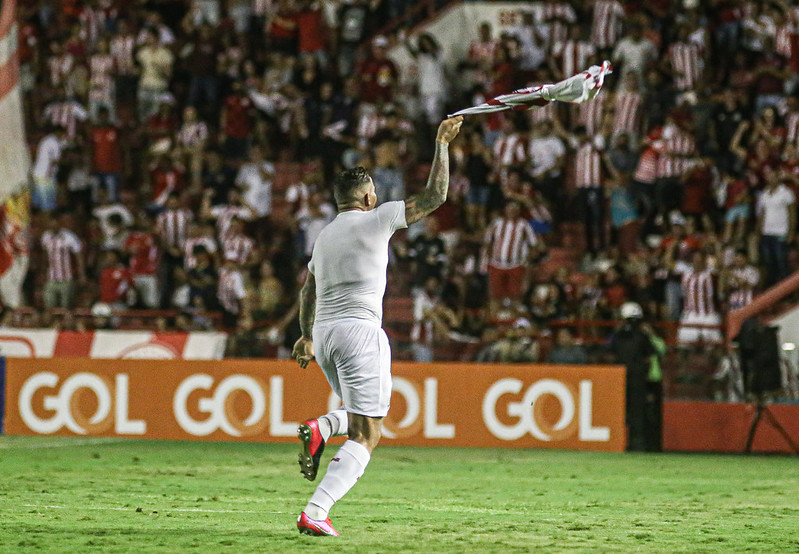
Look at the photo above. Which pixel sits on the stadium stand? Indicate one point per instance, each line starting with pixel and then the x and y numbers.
pixel 674 188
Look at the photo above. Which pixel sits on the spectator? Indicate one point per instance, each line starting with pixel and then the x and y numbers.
pixel 156 72
pixel 191 141
pixel 172 228
pixel 80 181
pixel 122 48
pixel 65 112
pixel 218 176
pixel 255 180
pixel 676 148
pixel 516 344
pixel 106 153
pixel 115 232
pixel 427 254
pixel 700 318
pixel 239 247
pixel 737 207
pixel 509 243
pixel 236 122
pixel 65 264
pixel 141 247
pixel 378 74
pixel 738 281
pixel 547 155
pixel 200 236
pixel 231 293
pixel 432 79
pixel 628 109
pixel 776 223
pixel 425 300
pixel 116 282
pixel 606 25
pixel 236 207
pixel 588 178
pixel 686 58
pixel 166 177
pixel 567 351
pixel 572 55
pixel 477 168
pixel 320 212
pixel 161 126
pixel 201 53
pixel 387 173
pixel 509 148
pixel 202 280
pixel 104 209
pixel 45 170
pixel 101 85
pixel 269 293
pixel 633 55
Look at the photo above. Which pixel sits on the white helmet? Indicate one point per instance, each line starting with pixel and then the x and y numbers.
pixel 631 310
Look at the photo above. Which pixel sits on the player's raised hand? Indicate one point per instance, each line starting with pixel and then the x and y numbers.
pixel 449 129
pixel 303 351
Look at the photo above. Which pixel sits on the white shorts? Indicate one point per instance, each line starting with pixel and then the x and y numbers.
pixel 355 357
pixel 687 334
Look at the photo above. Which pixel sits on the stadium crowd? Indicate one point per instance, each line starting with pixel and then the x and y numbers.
pixel 182 150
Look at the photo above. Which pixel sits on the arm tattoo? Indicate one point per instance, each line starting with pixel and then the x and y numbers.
pixel 435 193
pixel 308 305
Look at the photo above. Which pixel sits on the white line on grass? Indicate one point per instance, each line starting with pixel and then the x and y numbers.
pixel 57 443
pixel 119 509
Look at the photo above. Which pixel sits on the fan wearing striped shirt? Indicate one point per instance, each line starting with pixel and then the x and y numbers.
pixel 236 206
pixel 508 246
pixel 700 319
pixel 65 265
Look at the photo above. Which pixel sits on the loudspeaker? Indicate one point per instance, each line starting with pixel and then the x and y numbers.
pixel 759 350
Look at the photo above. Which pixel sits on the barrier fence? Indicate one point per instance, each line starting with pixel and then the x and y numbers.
pixel 520 406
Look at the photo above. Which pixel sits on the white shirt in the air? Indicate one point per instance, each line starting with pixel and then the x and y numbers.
pixel 349 262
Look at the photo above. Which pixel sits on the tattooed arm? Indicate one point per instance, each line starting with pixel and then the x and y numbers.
pixel 303 348
pixel 435 193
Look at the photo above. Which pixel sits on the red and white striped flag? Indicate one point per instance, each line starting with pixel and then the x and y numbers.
pixel 576 89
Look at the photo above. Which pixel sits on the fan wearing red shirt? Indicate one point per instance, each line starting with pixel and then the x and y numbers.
pixel 165 177
pixel 106 153
pixel 378 74
pixel 163 124
pixel 116 281
pixel 236 122
pixel 141 247
pixel 283 29
pixel 312 31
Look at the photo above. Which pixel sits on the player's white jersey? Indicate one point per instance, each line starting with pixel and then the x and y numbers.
pixel 349 262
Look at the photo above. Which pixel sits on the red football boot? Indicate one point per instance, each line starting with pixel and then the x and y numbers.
pixel 308 526
pixel 312 447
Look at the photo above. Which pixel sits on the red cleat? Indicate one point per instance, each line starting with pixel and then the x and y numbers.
pixel 313 527
pixel 312 447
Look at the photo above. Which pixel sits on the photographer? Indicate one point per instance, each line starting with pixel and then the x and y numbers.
pixel 633 348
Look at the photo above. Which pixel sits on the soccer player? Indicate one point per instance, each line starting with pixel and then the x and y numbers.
pixel 340 319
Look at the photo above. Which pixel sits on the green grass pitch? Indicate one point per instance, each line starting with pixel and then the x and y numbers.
pixel 84 495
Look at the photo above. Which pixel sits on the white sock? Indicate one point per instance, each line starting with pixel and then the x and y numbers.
pixel 344 470
pixel 334 424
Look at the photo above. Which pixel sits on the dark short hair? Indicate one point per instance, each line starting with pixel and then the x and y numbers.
pixel 347 184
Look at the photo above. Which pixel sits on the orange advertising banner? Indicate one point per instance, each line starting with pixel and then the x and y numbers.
pixel 516 406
